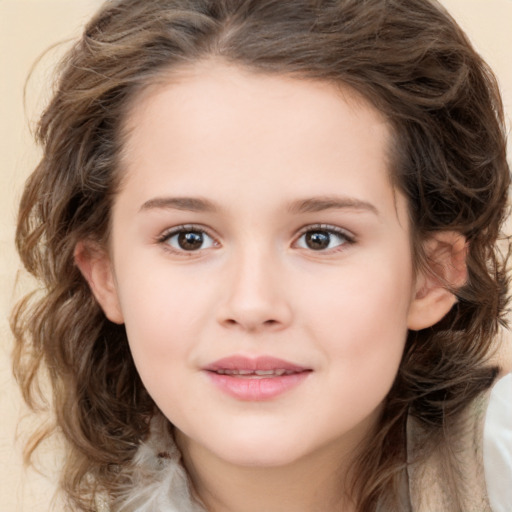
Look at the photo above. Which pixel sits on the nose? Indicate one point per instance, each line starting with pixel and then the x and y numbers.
pixel 256 297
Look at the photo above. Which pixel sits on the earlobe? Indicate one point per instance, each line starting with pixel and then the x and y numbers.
pixel 95 265
pixel 446 271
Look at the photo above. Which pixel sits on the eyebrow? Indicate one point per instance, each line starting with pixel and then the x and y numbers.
pixel 319 204
pixel 193 204
pixel 309 205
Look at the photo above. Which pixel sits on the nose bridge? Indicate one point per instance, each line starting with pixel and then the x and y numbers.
pixel 255 298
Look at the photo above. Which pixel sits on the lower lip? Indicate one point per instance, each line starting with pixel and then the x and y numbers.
pixel 257 389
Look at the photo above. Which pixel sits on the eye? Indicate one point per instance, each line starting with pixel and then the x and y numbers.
pixel 188 239
pixel 323 238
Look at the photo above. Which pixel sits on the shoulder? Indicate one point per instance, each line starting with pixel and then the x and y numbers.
pixel 158 480
pixel 449 476
pixel 498 445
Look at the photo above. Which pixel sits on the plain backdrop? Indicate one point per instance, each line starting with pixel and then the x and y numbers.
pixel 27 28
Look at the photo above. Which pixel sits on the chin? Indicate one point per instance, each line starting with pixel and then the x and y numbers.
pixel 260 458
pixel 259 451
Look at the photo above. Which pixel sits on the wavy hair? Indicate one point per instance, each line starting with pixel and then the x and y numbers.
pixel 409 59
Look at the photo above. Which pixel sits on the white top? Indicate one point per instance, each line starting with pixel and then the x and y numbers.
pixel 498 446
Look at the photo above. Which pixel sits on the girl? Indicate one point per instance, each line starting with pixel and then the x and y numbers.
pixel 267 233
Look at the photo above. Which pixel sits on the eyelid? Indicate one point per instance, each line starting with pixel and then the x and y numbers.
pixel 327 227
pixel 163 237
pixel 349 236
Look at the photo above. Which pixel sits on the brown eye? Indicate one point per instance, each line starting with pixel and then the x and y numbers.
pixel 188 240
pixel 322 239
pixel 317 240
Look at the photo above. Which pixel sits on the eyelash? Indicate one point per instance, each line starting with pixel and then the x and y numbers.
pixel 349 238
pixel 166 236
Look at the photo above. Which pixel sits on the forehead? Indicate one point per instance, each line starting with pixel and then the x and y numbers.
pixel 213 92
pixel 214 122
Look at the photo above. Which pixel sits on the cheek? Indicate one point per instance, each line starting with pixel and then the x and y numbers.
pixel 159 328
pixel 360 322
pixel 163 312
pixel 363 340
pixel 361 301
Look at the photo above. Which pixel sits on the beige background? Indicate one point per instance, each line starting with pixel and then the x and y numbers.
pixel 27 27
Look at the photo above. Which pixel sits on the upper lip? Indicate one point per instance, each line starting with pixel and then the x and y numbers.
pixel 262 363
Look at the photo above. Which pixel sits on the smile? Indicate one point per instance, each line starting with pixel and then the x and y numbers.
pixel 255 374
pixel 258 379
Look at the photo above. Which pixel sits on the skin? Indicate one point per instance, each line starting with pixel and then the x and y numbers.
pixel 275 158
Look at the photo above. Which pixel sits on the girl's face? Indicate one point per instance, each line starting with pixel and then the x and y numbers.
pixel 261 261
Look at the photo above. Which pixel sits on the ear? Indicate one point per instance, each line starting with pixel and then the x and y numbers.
pixel 445 254
pixel 95 265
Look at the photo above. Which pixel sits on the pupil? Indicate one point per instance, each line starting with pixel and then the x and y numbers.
pixel 318 240
pixel 190 240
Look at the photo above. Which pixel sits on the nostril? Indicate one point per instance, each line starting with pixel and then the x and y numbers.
pixel 250 324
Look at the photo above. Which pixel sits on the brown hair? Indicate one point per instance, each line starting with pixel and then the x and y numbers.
pixel 406 57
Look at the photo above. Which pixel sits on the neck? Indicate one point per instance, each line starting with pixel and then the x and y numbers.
pixel 311 484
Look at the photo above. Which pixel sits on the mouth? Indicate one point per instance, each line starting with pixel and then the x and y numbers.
pixel 255 379
pixel 255 374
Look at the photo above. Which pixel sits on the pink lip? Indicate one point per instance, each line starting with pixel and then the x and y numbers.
pixel 252 387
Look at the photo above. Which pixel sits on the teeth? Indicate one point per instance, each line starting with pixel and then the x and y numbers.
pixel 255 373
